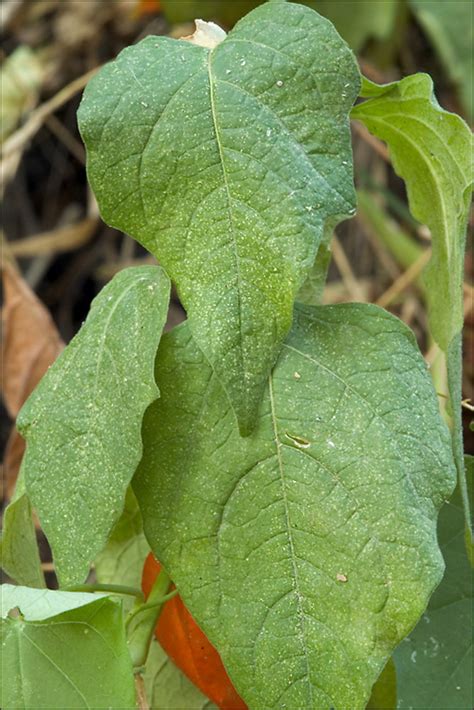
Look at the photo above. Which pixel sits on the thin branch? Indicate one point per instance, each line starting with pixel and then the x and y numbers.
pixel 404 280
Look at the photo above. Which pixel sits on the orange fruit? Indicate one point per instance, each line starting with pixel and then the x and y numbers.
pixel 189 648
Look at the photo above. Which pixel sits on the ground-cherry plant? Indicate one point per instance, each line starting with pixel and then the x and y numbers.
pixel 285 461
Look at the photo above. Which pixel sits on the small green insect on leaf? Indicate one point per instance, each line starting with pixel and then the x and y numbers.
pixel 83 422
pixel 308 550
pixel 226 163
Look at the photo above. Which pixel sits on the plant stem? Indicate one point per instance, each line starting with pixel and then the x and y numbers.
pixel 111 588
pixel 454 363
pixel 140 637
pixel 149 605
pixel 142 702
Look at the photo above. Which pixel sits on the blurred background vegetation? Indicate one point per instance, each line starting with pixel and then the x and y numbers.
pixel 57 253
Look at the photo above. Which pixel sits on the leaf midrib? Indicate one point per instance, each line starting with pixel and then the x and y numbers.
pixel 229 209
pixel 58 668
pixel 363 399
pixel 290 537
pixel 293 139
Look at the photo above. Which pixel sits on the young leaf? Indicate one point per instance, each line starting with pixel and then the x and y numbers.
pixel 307 551
pixel 167 688
pixel 226 163
pixel 431 150
pixel 19 556
pixel 122 559
pixel 83 422
pixel 63 650
pixel 435 663
pixel 311 292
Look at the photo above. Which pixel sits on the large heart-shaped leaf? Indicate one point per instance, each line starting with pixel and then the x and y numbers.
pixel 308 550
pixel 63 650
pixel 83 422
pixel 226 163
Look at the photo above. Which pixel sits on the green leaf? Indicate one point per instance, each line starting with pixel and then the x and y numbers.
pixel 450 27
pixel 384 692
pixel 358 22
pixel 435 662
pixel 311 292
pixel 308 550
pixel 167 688
pixel 41 604
pixel 226 164
pixel 431 150
pixel 83 422
pixel 122 559
pixel 63 650
pixel 19 555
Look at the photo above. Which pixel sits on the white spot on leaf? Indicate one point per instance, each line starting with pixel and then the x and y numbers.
pixel 206 34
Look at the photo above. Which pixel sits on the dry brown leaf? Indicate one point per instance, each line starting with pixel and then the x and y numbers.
pixel 30 344
pixel 14 451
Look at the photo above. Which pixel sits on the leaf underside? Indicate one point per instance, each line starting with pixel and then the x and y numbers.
pixel 308 550
pixel 82 424
pixel 65 650
pixel 226 164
